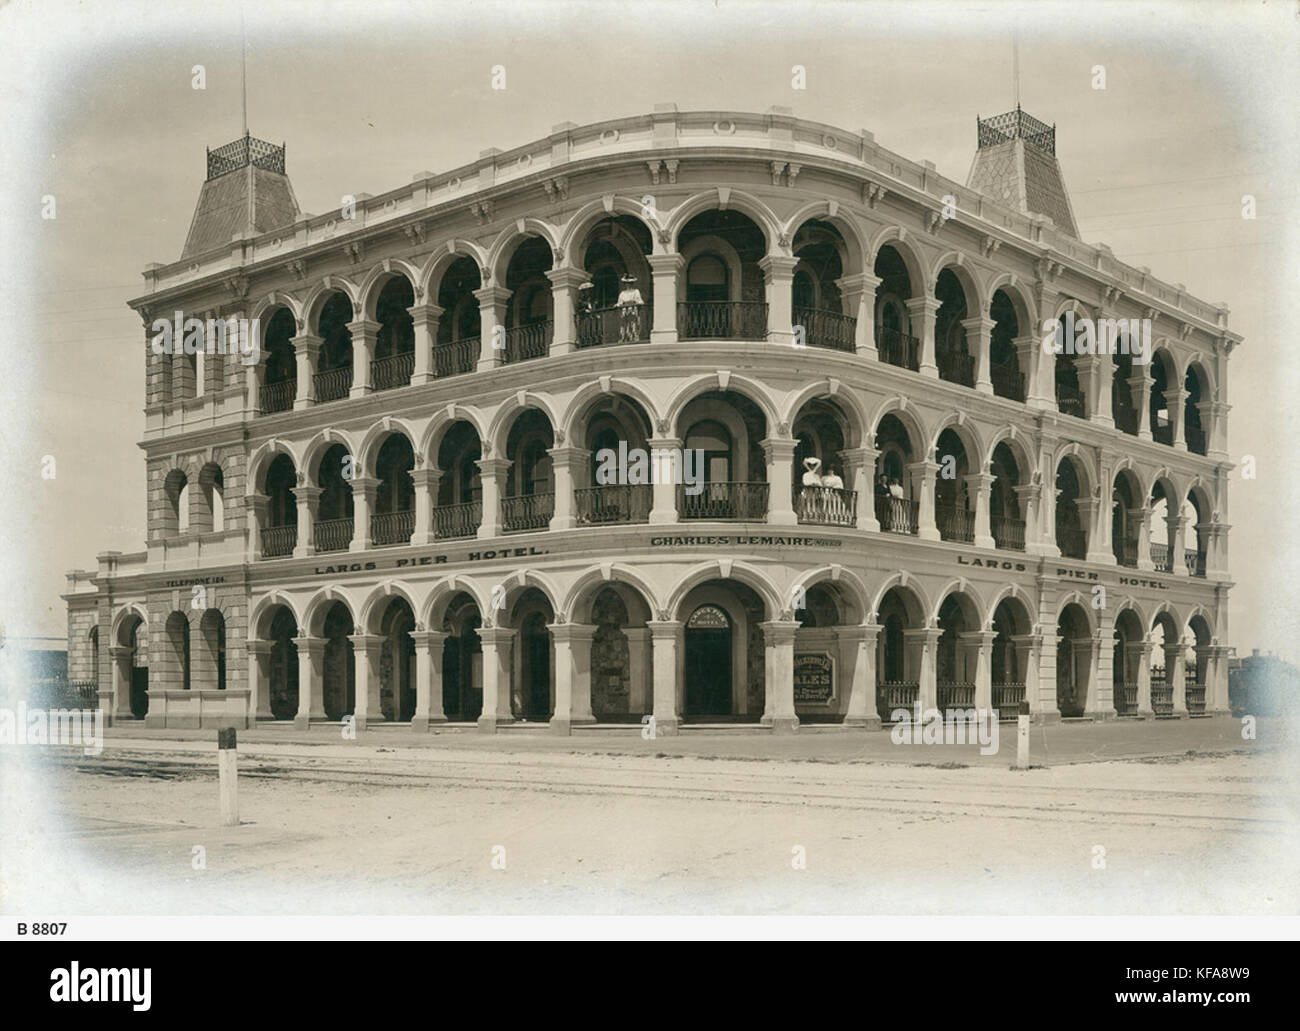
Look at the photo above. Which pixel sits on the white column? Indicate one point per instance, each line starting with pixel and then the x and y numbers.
pixel 572 675
pixel 778 273
pixel 259 679
pixel 778 670
pixel 857 655
pixel 923 311
pixel 364 333
pixel 859 296
pixel 496 644
pixel 779 453
pixel 665 269
pixel 428 678
pixel 666 640
pixel 306 350
pixel 980 330
pixel 366 652
pixel 425 318
pixel 311 681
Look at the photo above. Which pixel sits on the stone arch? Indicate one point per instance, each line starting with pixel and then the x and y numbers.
pixel 311 307
pixel 1013 593
pixel 584 589
pixel 977 302
pixel 913 594
pixel 847 400
pixel 434 609
pixel 1084 602
pixel 373 606
pixel 313 614
pixel 724 199
pixel 1085 469
pixel 377 278
pixel 1022 302
pixel 508 411
pixel 897 237
pixel 907 414
pixel 430 277
pixel 852 585
pixel 521 580
pixel 593 390
pixel 575 231
pixel 442 421
pixel 260 616
pixel 751 389
pixel 972 604
pixel 967 432
pixel 322 442
pixel 1020 446
pixel 508 241
pixel 368 450
pixel 750 576
pixel 830 213
pixel 262 458
pixel 273 301
pixel 118 634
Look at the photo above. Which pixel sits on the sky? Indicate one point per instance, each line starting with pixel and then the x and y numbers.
pixel 100 113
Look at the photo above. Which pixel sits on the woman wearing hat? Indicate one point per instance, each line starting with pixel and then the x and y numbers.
pixel 629 310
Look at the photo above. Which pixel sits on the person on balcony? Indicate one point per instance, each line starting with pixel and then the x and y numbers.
pixel 833 496
pixel 629 310
pixel 810 496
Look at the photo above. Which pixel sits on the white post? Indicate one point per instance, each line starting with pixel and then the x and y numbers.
pixel 227 774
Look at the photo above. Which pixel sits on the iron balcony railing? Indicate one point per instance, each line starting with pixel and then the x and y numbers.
pixel 524 343
pixel 279 397
pixel 617 324
pixel 1069 400
pixel 1162 697
pixel 278 541
pixel 955 524
pixel 898 348
pixel 955 695
pixel 897 515
pixel 1126 551
pixel 1008 382
pixel 827 506
pixel 724 500
pixel 1195 695
pixel 1195 562
pixel 1009 533
pixel 527 512
pixel 722 320
pixel 452 521
pixel 392 527
pixel 1007 698
pixel 333 385
pixel 1160 557
pixel 334 534
pixel 456 357
pixel 395 371
pixel 1195 437
pixel 614 503
pixel 829 329
pixel 1072 541
pixel 957 368
pixel 1126 699
pixel 895 694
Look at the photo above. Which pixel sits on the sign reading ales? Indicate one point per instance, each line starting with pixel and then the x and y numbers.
pixel 814 681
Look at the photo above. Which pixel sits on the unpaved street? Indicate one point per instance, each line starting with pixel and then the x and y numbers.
pixel 382 828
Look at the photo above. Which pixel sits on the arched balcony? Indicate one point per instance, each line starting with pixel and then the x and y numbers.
pixel 1071 537
pixel 456 351
pixel 394 360
pixel 459 510
pixel 529 499
pixel 951 349
pixel 280 376
pixel 721 289
pixel 529 318
pixel 1126 519
pixel 279 528
pixel 823 431
pixel 616 305
pixel 895 341
pixel 897 504
pixel 393 516
pixel 723 462
pixel 953 512
pixel 333 378
pixel 1004 360
pixel 1006 519
pixel 334 514
pixel 816 301
pixel 618 486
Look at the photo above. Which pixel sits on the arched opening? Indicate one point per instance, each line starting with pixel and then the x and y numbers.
pixel 723 291
pixel 176 491
pixel 897 508
pixel 953 511
pixel 1125 519
pixel 957 656
pixel 1128 640
pixel 1162 379
pixel 462 661
pixel 898 652
pixel 616 304
pixel 1069 391
pixel 822 431
pixel 333 379
pixel 529 502
pixel 280 384
pixel 280 531
pixel 951 349
pixel 460 491
pixel 895 341
pixel 721 430
pixel 1004 361
pixel 283 685
pixel 393 520
pixel 1122 408
pixel 1071 538
pixel 534 667
pixel 178 640
pixel 621 687
pixel 1195 532
pixel 1073 660
pixel 529 313
pixel 397 661
pixel 722 669
pixel 619 485
pixel 1197 640
pixel 459 326
pixel 1162 533
pixel 211 515
pixel 334 512
pixel 1167 644
pixel 394 360
pixel 820 684
pixel 134 672
pixel 1012 629
pixel 339 681
pixel 817 305
pixel 1006 519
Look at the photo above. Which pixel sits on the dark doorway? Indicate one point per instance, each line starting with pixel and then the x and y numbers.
pixel 139 691
pixel 708 662
pixel 536 685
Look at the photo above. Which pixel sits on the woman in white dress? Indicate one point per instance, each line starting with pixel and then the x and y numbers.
pixel 629 311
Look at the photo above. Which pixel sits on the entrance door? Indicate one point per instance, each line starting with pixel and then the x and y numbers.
pixel 708 662
pixel 139 691
pixel 537 668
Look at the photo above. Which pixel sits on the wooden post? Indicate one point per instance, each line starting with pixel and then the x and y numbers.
pixel 1022 737
pixel 227 772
